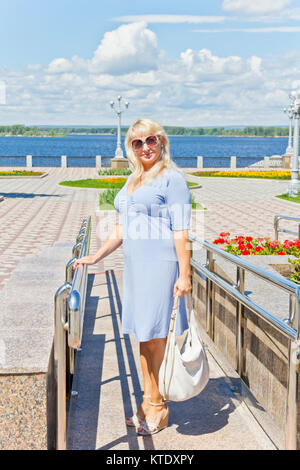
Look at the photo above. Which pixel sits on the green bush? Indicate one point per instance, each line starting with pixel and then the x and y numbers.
pixel 115 171
pixel 107 199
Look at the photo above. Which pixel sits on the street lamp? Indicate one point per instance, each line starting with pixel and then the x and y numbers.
pixel 290 112
pixel 293 187
pixel 119 111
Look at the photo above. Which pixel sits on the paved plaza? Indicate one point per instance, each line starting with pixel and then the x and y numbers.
pixel 37 213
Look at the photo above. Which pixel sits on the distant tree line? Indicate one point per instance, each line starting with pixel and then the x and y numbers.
pixel 32 131
pixel 249 131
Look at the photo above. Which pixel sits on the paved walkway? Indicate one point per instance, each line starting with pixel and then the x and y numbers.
pixel 109 385
pixel 37 213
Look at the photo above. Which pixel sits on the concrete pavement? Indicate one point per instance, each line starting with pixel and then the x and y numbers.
pixel 37 213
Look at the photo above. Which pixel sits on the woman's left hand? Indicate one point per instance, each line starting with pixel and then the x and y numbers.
pixel 182 285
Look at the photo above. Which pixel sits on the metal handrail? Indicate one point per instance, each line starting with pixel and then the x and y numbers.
pixel 277 218
pixel 269 318
pixel 290 330
pixel 69 305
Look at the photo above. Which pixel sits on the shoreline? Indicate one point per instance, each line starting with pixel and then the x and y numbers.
pixel 169 135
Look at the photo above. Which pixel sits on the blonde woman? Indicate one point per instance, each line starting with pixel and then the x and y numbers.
pixel 154 215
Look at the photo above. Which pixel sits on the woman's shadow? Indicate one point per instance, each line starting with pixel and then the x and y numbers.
pixel 206 413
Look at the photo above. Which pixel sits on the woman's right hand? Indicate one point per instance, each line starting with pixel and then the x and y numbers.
pixel 84 260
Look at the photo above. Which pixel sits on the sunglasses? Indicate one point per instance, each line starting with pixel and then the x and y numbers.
pixel 151 141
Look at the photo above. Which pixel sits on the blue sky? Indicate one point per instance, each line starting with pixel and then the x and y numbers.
pixel 217 62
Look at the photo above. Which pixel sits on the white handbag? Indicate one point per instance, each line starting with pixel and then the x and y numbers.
pixel 184 372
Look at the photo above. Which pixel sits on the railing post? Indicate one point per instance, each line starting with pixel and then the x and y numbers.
pixel 29 162
pixel 76 249
pixel 209 293
pixel 60 326
pixel 240 284
pixel 98 162
pixel 276 221
pixel 199 162
pixel 292 388
pixel 63 163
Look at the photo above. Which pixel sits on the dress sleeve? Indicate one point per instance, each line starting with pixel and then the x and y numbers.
pixel 117 204
pixel 178 199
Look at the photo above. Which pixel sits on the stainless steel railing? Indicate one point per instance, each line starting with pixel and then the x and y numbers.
pixel 277 218
pixel 69 304
pixel 289 328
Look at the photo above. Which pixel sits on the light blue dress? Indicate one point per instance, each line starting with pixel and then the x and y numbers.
pixel 149 216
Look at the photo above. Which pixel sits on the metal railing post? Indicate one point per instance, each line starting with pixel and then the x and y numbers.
pixel 209 294
pixel 277 218
pixel 76 249
pixel 60 341
pixel 276 222
pixel 292 387
pixel 63 321
pixel 240 285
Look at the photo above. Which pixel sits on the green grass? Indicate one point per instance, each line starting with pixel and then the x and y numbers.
pixel 21 173
pixel 286 197
pixel 106 200
pixel 189 183
pixel 102 183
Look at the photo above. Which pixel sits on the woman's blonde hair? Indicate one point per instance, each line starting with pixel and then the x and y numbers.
pixel 164 161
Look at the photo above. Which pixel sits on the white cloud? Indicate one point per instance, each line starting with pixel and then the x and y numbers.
pixel 60 65
pixel 129 48
pixel 2 92
pixel 171 19
pixel 272 29
pixel 203 64
pixel 197 88
pixel 255 7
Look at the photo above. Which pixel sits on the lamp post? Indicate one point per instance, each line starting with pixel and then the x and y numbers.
pixel 293 187
pixel 119 111
pixel 290 112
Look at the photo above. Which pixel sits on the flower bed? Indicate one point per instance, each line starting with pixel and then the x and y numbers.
pixel 269 174
pixel 20 173
pixel 246 245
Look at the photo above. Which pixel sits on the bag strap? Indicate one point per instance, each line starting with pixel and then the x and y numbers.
pixel 171 334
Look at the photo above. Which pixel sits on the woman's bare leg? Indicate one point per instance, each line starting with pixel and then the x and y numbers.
pixel 146 366
pixel 153 352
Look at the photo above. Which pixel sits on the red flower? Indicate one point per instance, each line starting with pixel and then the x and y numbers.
pixel 241 246
pixel 281 253
pixel 248 245
pixel 249 239
pixel 246 252
pixel 224 234
pixel 221 240
pixel 274 243
pixel 258 249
